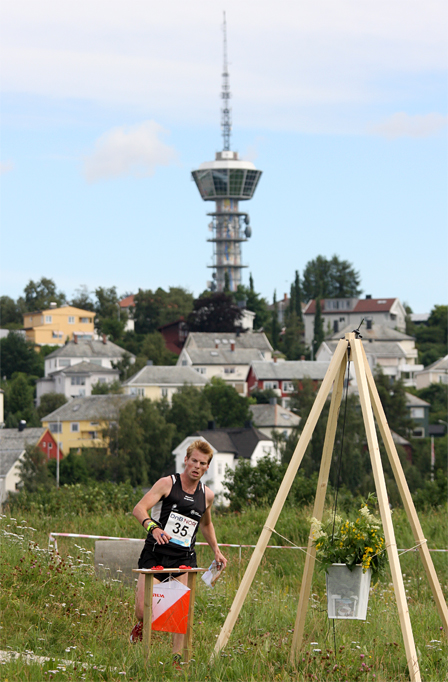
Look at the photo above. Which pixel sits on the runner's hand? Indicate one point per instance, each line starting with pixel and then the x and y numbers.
pixel 161 536
pixel 221 561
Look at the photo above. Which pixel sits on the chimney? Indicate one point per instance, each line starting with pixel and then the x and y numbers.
pixel 275 358
pixel 53 304
pixel 149 363
pixel 368 296
pixel 211 426
pixel 232 344
pixel 285 297
pixel 302 357
pixel 75 338
pixel 22 425
pixel 104 339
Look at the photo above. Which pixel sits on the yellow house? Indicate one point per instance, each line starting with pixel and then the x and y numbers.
pixel 81 422
pixel 52 327
pixel 156 381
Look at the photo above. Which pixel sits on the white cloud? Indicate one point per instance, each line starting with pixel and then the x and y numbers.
pixel 6 167
pixel 402 124
pixel 129 150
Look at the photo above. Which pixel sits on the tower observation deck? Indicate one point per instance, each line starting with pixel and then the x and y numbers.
pixel 227 180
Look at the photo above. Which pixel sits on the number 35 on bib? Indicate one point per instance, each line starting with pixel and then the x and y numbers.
pixel 181 528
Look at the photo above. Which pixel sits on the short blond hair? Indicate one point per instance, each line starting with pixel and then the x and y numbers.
pixel 202 446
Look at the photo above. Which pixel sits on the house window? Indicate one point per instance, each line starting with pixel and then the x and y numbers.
pixel 418 433
pixel 417 412
pixel 31 320
pixel 48 319
pixel 229 370
pixel 219 468
pixel 84 320
pixel 95 361
pixel 62 363
pixel 164 392
pixel 71 319
pixel 50 446
pixel 74 427
pixel 78 381
pixel 184 363
pixel 93 435
pixel 335 326
pixel 288 386
pixel 102 380
pixel 138 391
pixel 57 335
pixel 201 370
pixel 270 384
pixel 55 427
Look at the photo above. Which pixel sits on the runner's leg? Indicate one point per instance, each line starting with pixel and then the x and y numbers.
pixel 140 595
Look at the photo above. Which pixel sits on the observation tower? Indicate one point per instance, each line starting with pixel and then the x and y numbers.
pixel 227 180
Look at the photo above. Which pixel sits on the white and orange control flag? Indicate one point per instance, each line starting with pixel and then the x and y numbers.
pixel 170 603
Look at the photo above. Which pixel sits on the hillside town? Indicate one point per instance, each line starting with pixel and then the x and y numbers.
pixel 227 367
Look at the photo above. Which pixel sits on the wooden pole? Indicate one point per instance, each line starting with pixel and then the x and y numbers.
pixel 189 634
pixel 281 497
pixel 380 484
pixel 406 498
pixel 318 509
pixel 147 613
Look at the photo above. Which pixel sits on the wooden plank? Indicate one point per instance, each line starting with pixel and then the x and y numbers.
pixel 281 496
pixel 318 509
pixel 406 498
pixel 147 613
pixel 380 484
pixel 188 644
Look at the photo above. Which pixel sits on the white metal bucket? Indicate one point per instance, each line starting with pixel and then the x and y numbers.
pixel 347 592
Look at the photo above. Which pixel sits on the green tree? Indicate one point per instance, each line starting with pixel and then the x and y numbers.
pixel 318 335
pixel 39 295
pixel 154 348
pixel 275 327
pixel 106 387
pixel 11 313
pixel 190 411
pixel 82 299
pixel 50 402
pixel 431 338
pixel 228 407
pixel 393 400
pixel 154 309
pixel 18 355
pixel 293 344
pixel 33 470
pixel 254 302
pixel 215 312
pixel 436 395
pixel 72 469
pixel 19 402
pixel 109 319
pixel 263 397
pixel 333 278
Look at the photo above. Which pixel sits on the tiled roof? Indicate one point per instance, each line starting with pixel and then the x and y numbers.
pixel 413 401
pixel 357 305
pixel 92 407
pixel 438 364
pixel 127 302
pixel 169 375
pixel 241 442
pixel 13 443
pixel 273 416
pixel 248 340
pixel 84 368
pixel 379 332
pixel 290 370
pixel 219 356
pixel 88 349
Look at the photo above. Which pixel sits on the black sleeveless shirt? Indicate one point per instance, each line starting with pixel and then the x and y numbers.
pixel 179 513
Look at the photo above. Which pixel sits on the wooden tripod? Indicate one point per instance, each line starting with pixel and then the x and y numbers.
pixel 369 399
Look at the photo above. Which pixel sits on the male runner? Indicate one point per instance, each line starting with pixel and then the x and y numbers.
pixel 179 504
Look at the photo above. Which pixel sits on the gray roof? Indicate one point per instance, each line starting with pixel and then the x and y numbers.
pixel 413 401
pixel 92 407
pixel 89 349
pixel 240 441
pixel 84 368
pixel 219 356
pixel 290 370
pixel 272 416
pixel 379 332
pixel 169 375
pixel 247 340
pixel 442 363
pixel 13 443
pixel 381 349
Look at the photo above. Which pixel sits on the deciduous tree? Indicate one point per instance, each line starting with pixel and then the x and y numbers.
pixel 39 295
pixel 333 278
pixel 215 312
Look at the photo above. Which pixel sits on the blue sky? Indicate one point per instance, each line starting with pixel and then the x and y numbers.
pixel 108 105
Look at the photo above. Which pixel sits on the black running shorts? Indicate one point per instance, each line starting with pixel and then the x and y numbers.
pixel 151 557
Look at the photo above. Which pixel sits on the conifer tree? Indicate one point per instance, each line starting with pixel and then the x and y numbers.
pixel 318 328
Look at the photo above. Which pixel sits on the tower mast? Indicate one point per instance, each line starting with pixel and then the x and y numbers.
pixel 227 180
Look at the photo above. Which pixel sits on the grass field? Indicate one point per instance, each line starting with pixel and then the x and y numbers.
pixel 52 605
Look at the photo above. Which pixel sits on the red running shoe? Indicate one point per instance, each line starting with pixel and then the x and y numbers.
pixel 137 633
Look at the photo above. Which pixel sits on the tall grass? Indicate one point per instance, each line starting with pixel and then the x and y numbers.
pixel 53 605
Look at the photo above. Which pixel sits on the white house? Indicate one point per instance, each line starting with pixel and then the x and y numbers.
pixel 159 381
pixel 436 373
pixel 12 450
pixel 272 417
pixel 102 353
pixel 340 313
pixel 75 381
pixel 228 445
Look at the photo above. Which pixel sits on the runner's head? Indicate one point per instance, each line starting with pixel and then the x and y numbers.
pixel 202 446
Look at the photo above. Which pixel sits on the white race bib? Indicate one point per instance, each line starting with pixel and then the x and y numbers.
pixel 181 528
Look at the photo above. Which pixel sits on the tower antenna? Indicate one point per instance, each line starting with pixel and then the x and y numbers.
pixel 226 118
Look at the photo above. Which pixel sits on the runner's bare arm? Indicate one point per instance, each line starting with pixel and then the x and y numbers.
pixel 141 510
pixel 208 530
